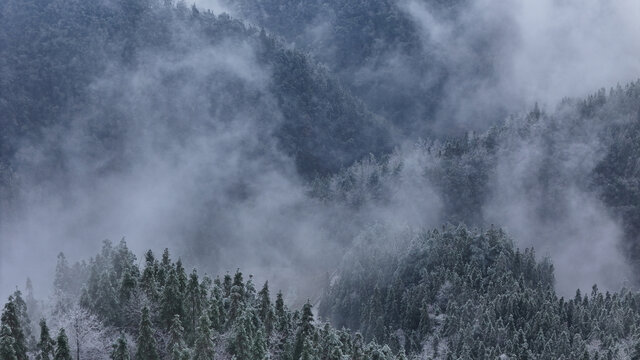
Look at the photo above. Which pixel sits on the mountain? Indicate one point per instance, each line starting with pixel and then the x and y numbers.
pixel 456 293
pixel 63 64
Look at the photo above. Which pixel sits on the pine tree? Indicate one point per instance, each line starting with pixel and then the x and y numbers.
pixel 241 343
pixel 308 352
pixel 23 318
pixel 63 352
pixel 148 282
pixel 237 297
pixel 7 351
pixel 46 345
pixel 193 303
pixel 264 308
pixel 120 349
pixel 11 319
pixel 176 344
pixel 216 309
pixel 305 329
pixel 203 348
pixel 146 341
pixel 259 349
pixel 282 321
pixel 172 303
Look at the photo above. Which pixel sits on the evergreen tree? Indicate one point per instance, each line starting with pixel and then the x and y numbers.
pixel 282 321
pixel 63 352
pixel 148 282
pixel 265 310
pixel 176 344
pixel 259 349
pixel 146 341
pixel 23 318
pixel 11 319
pixel 308 351
pixel 7 351
pixel 241 343
pixel 193 304
pixel 172 303
pixel 203 347
pixel 305 329
pixel 237 297
pixel 120 349
pixel 46 345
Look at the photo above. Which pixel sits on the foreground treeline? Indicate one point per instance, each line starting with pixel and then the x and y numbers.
pixel 441 294
pixel 160 311
pixel 459 294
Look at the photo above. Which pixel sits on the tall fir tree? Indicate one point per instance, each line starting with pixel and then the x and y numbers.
pixel 11 319
pixel 305 329
pixel 203 348
pixel 176 346
pixel 63 352
pixel 7 350
pixel 46 345
pixel 147 349
pixel 120 349
pixel 265 310
pixel 171 303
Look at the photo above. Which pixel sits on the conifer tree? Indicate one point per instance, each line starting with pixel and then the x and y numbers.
pixel 171 304
pixel 46 345
pixel 176 345
pixel 203 347
pixel 146 341
pixel 23 318
pixel 241 344
pixel 7 351
pixel 308 352
pixel 259 348
pixel 237 297
pixel 265 310
pixel 120 349
pixel 63 352
pixel 148 281
pixel 282 321
pixel 193 304
pixel 11 319
pixel 305 329
pixel 216 309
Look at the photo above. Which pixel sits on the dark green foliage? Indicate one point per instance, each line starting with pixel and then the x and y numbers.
pixel 323 128
pixel 46 345
pixel 172 300
pixel 7 344
pixel 358 40
pixel 203 347
pixel 11 319
pixel 481 296
pixel 147 349
pixel 62 347
pixel 176 346
pixel 120 349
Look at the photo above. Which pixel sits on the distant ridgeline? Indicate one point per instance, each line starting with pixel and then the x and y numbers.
pixel 591 144
pixel 460 294
pixel 442 294
pixel 53 55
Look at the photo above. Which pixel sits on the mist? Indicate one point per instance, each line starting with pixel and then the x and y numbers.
pixel 197 168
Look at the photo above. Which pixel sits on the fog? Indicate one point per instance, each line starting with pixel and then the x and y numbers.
pixel 508 56
pixel 204 176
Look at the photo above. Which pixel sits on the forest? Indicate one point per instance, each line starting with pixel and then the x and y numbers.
pixel 319 180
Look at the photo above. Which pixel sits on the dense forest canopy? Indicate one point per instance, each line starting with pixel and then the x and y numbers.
pixel 319 146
